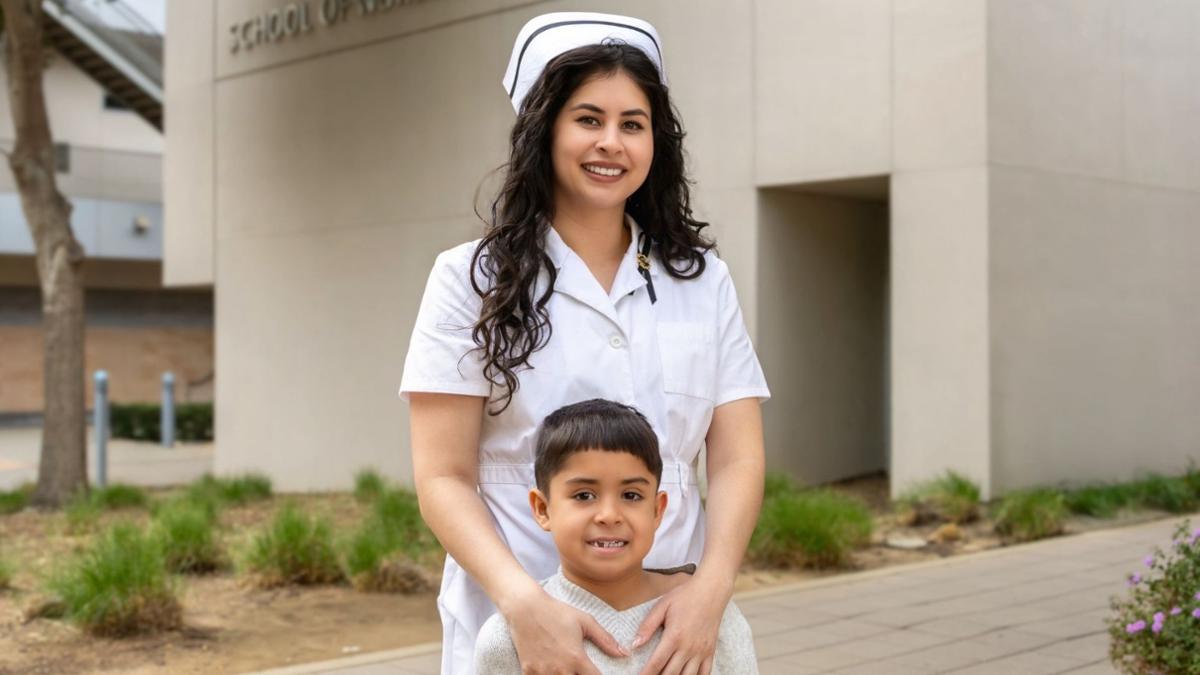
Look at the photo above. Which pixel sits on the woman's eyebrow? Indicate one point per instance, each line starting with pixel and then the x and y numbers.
pixel 597 109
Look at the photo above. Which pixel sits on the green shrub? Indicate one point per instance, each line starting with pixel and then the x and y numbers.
pixel 118 586
pixel 1156 628
pixel 186 532
pixel 82 513
pixel 380 554
pixel 368 485
pixel 143 421
pixel 812 528
pixel 12 501
pixel 84 509
pixel 1173 495
pixel 1099 501
pixel 293 550
pixel 1026 515
pixel 951 497
pixel 778 483
pixel 6 573
pixel 118 496
pixel 233 490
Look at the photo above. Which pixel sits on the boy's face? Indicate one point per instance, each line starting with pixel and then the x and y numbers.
pixel 603 510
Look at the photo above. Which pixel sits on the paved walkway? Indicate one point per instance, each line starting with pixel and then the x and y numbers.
pixel 134 462
pixel 1031 609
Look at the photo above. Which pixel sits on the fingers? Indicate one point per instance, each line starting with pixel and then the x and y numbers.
pixel 658 659
pixel 601 638
pixel 706 667
pixel 675 665
pixel 653 621
pixel 692 667
pixel 586 667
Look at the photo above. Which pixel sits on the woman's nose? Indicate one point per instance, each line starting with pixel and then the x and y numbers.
pixel 610 140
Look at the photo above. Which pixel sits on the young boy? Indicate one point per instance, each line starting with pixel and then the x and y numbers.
pixel 597 472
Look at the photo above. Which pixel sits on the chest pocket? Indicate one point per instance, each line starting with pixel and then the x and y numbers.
pixel 689 358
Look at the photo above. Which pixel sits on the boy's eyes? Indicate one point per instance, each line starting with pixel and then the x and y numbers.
pixel 631 495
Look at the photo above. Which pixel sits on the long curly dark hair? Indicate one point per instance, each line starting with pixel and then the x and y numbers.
pixel 512 322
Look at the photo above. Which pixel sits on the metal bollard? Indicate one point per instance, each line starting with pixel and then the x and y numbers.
pixel 167 422
pixel 100 405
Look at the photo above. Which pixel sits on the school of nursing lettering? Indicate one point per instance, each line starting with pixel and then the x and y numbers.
pixel 299 17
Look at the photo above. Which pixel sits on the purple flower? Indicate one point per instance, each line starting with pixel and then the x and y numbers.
pixel 1139 626
pixel 1148 561
pixel 1196 613
pixel 1156 628
pixel 1159 617
pixel 1135 578
pixel 1197 595
pixel 1176 610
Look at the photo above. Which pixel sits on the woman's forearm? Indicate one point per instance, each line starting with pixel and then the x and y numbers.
pixel 456 514
pixel 445 440
pixel 735 467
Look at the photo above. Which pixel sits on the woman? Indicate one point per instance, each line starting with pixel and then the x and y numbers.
pixel 592 281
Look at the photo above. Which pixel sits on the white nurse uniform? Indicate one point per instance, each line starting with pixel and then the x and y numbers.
pixel 674 360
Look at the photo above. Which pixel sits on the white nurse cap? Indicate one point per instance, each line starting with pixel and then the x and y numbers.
pixel 546 36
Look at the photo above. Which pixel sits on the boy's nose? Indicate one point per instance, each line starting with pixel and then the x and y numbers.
pixel 608 512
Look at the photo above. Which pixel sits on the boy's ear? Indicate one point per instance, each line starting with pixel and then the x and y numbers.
pixel 540 507
pixel 660 507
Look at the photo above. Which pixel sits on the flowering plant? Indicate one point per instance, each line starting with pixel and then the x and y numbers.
pixel 1156 628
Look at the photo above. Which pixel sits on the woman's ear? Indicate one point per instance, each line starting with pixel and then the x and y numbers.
pixel 540 507
pixel 660 507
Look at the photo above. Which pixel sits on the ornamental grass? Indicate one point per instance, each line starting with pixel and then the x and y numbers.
pixel 118 586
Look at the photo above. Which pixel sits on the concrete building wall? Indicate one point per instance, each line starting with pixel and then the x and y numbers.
pixel 939 226
pixel 822 279
pixel 312 180
pixel 189 195
pixel 1094 250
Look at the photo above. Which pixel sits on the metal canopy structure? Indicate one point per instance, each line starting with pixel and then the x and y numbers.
pixel 115 46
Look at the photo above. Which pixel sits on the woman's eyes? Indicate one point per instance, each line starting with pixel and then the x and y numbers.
pixel 631 125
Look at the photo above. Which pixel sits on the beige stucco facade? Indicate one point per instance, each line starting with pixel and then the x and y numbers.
pixel 963 231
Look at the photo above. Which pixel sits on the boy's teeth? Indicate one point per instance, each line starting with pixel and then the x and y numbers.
pixel 608 544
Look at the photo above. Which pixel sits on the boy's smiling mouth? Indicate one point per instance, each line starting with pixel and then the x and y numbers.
pixel 607 543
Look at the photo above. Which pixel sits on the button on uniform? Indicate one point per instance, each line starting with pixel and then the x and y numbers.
pixel 616 342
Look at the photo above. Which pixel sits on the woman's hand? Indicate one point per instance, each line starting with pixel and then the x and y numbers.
pixel 549 636
pixel 691 617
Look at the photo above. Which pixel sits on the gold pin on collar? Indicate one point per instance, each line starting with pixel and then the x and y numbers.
pixel 643 262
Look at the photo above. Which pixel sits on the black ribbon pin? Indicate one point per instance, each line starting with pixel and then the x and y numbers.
pixel 643 263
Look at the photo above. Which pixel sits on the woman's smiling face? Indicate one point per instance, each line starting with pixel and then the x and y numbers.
pixel 603 509
pixel 603 143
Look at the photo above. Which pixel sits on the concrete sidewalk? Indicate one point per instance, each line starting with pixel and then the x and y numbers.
pixel 1031 609
pixel 135 462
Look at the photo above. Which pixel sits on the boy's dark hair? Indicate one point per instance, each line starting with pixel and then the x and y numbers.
pixel 597 424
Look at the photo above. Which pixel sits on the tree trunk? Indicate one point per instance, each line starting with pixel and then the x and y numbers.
pixel 63 466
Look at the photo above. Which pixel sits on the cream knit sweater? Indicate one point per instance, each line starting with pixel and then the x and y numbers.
pixel 496 655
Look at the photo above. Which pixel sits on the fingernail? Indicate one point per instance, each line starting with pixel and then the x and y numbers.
pixel 637 642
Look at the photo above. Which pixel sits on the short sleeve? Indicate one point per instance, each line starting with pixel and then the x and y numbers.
pixel 442 356
pixel 739 374
pixel 495 653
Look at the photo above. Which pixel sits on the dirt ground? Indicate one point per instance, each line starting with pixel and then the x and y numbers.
pixel 230 627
